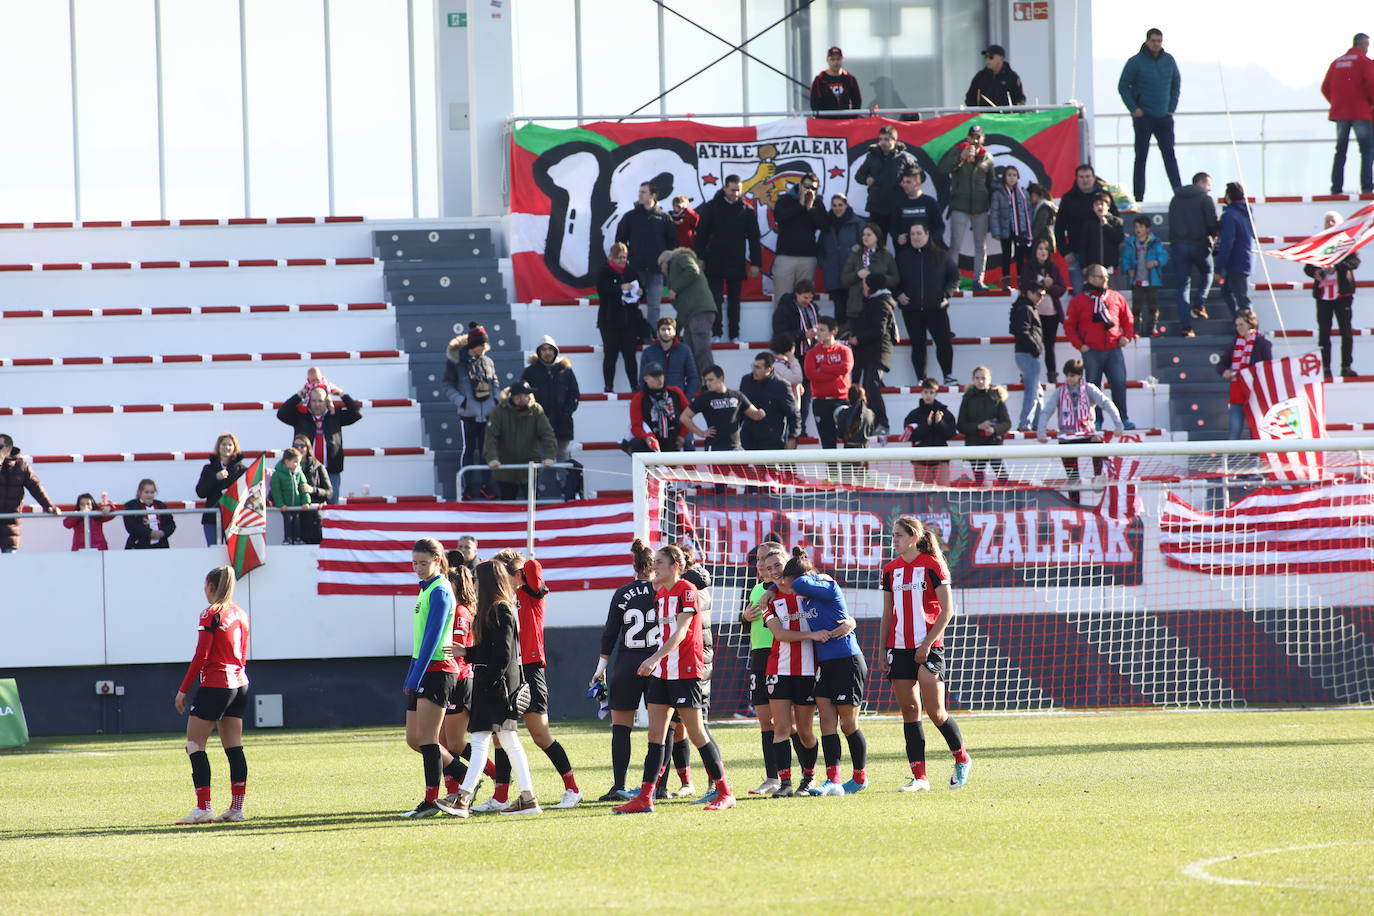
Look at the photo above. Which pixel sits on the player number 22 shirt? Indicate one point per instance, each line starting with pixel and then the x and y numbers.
pixel 686 661
pixel 915 605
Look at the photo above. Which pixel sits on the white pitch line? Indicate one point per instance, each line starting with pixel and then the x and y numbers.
pixel 1199 868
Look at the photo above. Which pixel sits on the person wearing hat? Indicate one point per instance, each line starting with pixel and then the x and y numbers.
pixel 656 415
pixel 835 88
pixel 518 432
pixel 555 388
pixel 996 85
pixel 471 383
pixel 969 166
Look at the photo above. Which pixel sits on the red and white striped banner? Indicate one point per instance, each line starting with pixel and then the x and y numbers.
pixel 1287 401
pixel 1308 530
pixel 581 545
pixel 1121 499
pixel 1331 245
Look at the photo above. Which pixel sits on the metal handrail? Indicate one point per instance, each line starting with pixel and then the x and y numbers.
pixel 185 510
pixel 855 113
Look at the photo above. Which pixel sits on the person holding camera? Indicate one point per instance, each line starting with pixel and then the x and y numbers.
pixel 798 220
pixel 969 166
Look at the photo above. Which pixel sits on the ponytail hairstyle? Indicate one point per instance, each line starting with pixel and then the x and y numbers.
pixel 464 588
pixel 858 400
pixel 433 548
pixel 510 560
pixel 221 580
pixel 493 588
pixel 927 541
pixel 676 555
pixel 642 558
pixel 799 565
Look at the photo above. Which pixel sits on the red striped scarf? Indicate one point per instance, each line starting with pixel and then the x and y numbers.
pixel 1075 423
pixel 1240 353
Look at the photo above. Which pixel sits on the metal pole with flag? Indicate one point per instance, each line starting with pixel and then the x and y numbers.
pixel 1287 400
pixel 243 510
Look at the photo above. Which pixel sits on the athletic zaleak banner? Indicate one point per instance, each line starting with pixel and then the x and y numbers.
pixel 570 187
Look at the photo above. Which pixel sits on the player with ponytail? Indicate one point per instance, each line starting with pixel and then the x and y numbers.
pixel 221 698
pixel 459 710
pixel 917 607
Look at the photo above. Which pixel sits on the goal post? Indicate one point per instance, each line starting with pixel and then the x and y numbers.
pixel 1119 574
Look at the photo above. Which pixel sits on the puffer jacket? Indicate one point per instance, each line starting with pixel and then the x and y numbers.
pixel 470 382
pixel 555 389
pixel 1150 83
pixel 518 436
pixel 970 183
pixel 1154 251
pixel 838 238
pixel 1010 216
pixel 691 292
pixel 16 478
pixel 886 171
pixel 1236 241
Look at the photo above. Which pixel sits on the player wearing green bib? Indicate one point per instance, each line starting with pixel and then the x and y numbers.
pixel 432 678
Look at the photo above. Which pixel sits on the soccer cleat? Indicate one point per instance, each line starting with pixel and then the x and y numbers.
pixel 424 809
pixel 828 788
pixel 686 790
pixel 198 816
pixel 720 803
pixel 615 794
pixel 571 799
pixel 490 805
pixel 804 787
pixel 660 792
pixel 525 803
pixel 960 775
pixel 706 799
pixel 638 805
pixel 854 788
pixel 626 794
pixel 915 785
pixel 230 816
pixel 784 790
pixel 767 787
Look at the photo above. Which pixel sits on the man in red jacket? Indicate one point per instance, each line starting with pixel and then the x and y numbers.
pixel 1099 324
pixel 1349 87
pixel 827 367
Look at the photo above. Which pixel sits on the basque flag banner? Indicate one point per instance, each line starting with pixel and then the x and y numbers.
pixel 243 512
pixel 1287 401
pixel 1329 246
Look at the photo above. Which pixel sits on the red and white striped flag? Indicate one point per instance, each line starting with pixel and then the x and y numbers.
pixel 1287 401
pixel 366 549
pixel 1301 530
pixel 1122 500
pixel 1330 245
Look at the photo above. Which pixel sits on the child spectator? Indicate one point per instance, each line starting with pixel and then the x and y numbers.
pixel 314 378
pixel 1100 240
pixel 1141 260
pixel 1009 221
pixel 287 489
pixel 1071 407
pixel 1250 347
pixel 854 421
pixel 1041 271
pixel 78 524
pixel 828 366
pixel 152 528
pixel 1029 346
pixel 618 318
pixel 930 425
pixel 685 219
pixel 1334 289
pixel 1233 260
pixel 983 419
pixel 1043 213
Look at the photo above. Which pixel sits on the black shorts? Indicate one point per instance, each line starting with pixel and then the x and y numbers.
pixel 435 686
pixel 842 680
pixel 901 663
pixel 539 687
pixel 798 689
pixel 685 693
pixel 627 685
pixel 758 668
pixel 214 703
pixel 460 699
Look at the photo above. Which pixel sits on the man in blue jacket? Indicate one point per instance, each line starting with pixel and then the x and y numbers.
pixel 1149 87
pixel 1233 258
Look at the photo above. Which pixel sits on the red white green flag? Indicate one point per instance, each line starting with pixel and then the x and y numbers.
pixel 243 511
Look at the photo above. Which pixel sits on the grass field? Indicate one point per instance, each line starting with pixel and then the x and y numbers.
pixel 1092 812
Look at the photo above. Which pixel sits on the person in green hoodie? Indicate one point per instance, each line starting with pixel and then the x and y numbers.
pixel 288 489
pixel 517 433
pixel 696 308
pixel 969 167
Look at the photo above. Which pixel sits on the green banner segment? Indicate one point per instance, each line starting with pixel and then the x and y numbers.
pixel 14 731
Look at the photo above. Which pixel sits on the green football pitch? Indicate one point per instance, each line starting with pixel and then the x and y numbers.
pixel 1145 811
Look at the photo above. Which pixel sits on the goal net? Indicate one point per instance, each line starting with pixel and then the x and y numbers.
pixel 1183 574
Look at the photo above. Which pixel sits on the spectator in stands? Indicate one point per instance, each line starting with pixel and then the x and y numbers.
pixel 152 528
pixel 224 467
pixel 1043 214
pixel 914 206
pixel 781 423
pixel 1192 228
pixel 843 230
pixel 519 432
pixel 672 353
pixel 723 408
pixel 1235 243
pixel 17 477
pixel 1076 217
pixel 555 389
pixel 618 295
pixel 870 270
pixel 873 335
pixel 316 487
pixel 1149 88
pixel 928 278
pixel 835 88
pixel 685 219
pixel 882 169
pixel 471 383
pixel 324 428
pixel 287 491
pixel 656 415
pixel 648 232
pixel 1099 241
pixel 930 424
pixel 1250 347
pixel 1334 290
pixel 1349 88
pixel 788 367
pixel 1099 324
pixel 466 548
pixel 996 85
pixel 796 317
pixel 1041 271
pixel 727 240
pixel 828 366
pixel 1071 408
pixel 1142 260
pixel 1009 222
pixel 697 309
pixel 855 423
pixel 983 419
pixel 798 220
pixel 96 523
pixel 1028 337
pixel 969 167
